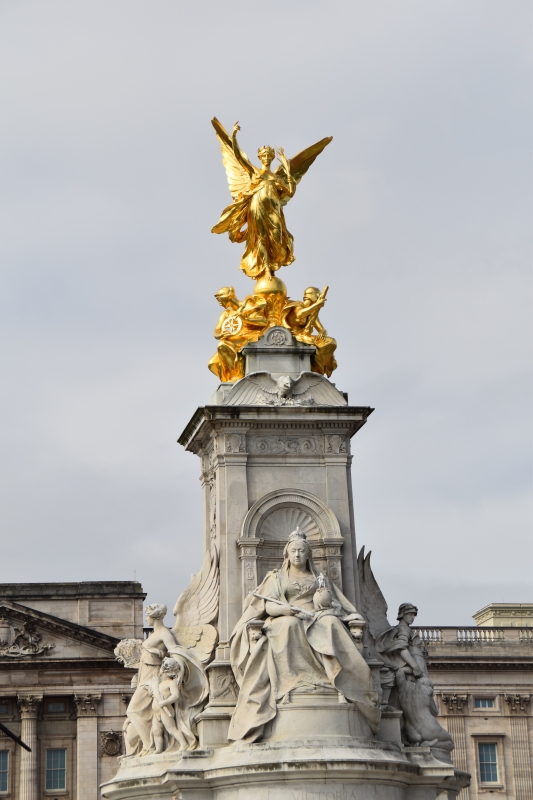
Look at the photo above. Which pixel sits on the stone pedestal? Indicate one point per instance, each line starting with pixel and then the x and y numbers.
pixel 305 769
pixel 29 761
pixel 271 461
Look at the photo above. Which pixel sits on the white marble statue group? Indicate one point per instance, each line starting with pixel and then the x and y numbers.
pixel 298 633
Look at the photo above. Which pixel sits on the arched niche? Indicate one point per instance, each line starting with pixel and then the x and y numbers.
pixel 267 526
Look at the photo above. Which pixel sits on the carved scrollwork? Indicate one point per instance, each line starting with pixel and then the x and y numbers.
pixel 335 444
pixel 86 704
pixel 235 443
pixel 285 445
pixel 29 705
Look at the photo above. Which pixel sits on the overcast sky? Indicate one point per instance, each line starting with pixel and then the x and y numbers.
pixel 418 216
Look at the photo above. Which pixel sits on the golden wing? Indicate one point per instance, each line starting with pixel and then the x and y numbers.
pixel 238 175
pixel 301 163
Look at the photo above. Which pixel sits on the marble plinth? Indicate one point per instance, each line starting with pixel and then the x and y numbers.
pixel 306 769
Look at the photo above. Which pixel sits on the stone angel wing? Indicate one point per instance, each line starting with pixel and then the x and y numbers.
pixel 304 382
pixel 299 164
pixel 239 178
pixel 197 607
pixel 373 604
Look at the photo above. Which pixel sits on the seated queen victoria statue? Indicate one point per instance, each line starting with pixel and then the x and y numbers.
pixel 304 645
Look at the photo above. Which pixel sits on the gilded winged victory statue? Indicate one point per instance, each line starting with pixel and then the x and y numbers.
pixel 256 214
pixel 256 218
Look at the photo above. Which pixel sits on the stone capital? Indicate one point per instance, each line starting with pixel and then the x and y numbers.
pixel 517 702
pixel 29 705
pixel 86 704
pixel 455 702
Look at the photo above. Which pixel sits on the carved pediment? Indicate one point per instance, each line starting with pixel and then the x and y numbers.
pixel 27 634
pixel 22 639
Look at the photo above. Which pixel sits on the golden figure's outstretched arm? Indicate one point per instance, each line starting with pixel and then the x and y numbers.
pixel 239 171
pixel 240 155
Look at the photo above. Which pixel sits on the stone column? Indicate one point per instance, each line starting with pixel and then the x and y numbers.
pixel 523 777
pixel 455 722
pixel 87 745
pixel 29 762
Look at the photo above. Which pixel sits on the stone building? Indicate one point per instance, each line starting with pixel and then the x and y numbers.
pixel 483 680
pixel 61 689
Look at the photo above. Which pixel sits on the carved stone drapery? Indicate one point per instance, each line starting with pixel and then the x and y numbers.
pixel 86 704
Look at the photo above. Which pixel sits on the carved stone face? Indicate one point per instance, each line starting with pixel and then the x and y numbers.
pixel 298 553
pixel 409 617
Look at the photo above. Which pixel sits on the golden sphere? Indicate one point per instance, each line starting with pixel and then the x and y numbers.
pixel 271 285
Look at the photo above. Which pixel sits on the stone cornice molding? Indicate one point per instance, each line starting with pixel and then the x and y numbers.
pixel 517 702
pixel 55 625
pixel 206 418
pixel 29 705
pixel 86 704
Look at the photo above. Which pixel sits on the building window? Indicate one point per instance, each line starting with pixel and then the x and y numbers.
pixel 488 764
pixel 4 770
pixel 4 708
pixel 483 703
pixel 56 770
pixel 56 707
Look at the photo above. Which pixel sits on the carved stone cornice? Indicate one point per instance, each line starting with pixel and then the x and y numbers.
pixel 517 702
pixel 29 705
pixel 55 625
pixel 86 704
pixel 455 702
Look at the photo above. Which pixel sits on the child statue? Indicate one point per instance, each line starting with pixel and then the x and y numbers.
pixel 167 707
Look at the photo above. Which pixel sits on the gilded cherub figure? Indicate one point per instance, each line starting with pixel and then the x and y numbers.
pixel 256 214
pixel 301 317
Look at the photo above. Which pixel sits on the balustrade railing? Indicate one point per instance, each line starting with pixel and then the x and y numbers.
pixel 480 635
pixel 430 634
pixel 474 635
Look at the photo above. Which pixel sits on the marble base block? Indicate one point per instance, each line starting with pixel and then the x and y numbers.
pixel 305 769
